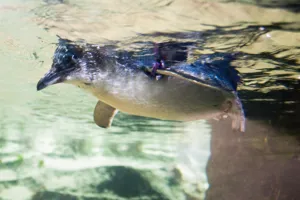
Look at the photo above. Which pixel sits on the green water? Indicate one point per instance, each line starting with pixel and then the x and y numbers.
pixel 50 147
pixel 49 142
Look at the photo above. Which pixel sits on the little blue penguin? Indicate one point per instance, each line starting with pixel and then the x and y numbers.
pixel 123 81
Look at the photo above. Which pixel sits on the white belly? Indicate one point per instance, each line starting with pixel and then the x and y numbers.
pixel 173 99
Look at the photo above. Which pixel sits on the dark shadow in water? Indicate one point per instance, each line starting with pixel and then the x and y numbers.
pixel 262 163
pixel 291 5
pixel 119 183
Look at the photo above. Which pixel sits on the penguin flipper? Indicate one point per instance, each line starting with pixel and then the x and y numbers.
pixel 104 114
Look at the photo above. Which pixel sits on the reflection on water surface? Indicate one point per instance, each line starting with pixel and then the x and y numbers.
pixel 51 149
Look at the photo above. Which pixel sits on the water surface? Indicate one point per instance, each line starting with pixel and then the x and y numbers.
pixel 51 149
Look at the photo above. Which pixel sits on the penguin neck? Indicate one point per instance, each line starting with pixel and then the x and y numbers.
pixel 115 81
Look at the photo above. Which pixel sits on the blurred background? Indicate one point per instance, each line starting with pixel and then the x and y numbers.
pixel 50 148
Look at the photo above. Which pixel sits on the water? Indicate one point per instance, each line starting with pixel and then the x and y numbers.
pixel 51 149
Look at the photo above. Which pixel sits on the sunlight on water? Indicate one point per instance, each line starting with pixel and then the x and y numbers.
pixel 50 147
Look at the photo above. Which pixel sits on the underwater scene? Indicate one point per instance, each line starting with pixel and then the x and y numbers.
pixel 142 100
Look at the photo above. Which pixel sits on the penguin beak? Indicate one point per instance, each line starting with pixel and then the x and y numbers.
pixel 50 78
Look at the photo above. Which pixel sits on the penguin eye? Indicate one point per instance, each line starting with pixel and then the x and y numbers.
pixel 67 58
pixel 64 62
